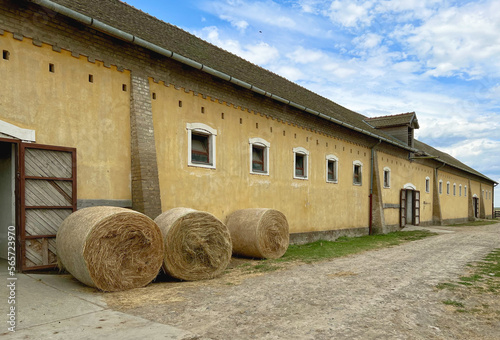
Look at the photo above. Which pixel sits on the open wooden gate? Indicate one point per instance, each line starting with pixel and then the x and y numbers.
pixel 402 207
pixel 413 217
pixel 47 188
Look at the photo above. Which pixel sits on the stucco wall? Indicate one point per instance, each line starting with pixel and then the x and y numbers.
pixel 453 205
pixel 65 109
pixel 404 174
pixel 310 205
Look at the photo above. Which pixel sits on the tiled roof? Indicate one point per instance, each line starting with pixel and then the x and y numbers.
pixel 448 159
pixel 133 21
pixel 409 118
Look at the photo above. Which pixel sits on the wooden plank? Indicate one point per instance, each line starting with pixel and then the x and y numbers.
pixel 44 221
pixel 41 193
pixel 45 252
pixel 47 163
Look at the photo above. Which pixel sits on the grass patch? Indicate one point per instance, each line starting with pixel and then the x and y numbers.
pixel 473 223
pixel 453 303
pixel 483 280
pixel 343 246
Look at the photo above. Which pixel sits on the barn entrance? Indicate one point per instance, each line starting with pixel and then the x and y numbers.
pixel 7 194
pixel 475 206
pixel 37 192
pixel 47 195
pixel 409 207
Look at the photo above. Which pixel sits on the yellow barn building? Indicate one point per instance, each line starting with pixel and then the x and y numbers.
pixel 103 104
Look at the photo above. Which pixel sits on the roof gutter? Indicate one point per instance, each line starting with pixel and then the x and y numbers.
pixel 117 33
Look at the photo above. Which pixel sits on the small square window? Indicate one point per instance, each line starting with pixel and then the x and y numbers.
pixel 387 178
pixel 91 78
pixel 300 163
pixel 200 152
pixel 259 156
pixel 357 173
pixel 258 159
pixel 300 169
pixel 332 176
pixel 201 145
pixel 6 55
pixel 52 68
pixel 331 169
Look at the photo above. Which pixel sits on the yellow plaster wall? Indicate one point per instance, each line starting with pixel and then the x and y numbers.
pixel 65 109
pixel 404 172
pixel 310 205
pixel 454 206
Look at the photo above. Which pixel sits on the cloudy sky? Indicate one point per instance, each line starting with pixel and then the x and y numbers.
pixel 440 59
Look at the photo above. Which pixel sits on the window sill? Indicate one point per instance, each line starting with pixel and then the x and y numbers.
pixel 301 178
pixel 206 166
pixel 259 173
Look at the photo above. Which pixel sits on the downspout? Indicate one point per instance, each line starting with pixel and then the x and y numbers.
pixel 493 201
pixel 117 33
pixel 370 225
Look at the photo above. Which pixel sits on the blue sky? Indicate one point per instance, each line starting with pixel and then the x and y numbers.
pixel 440 59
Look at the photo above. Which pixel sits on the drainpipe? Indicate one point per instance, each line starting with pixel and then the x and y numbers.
pixel 493 201
pixel 372 174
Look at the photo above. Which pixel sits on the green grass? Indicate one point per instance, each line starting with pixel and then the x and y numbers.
pixel 473 223
pixel 343 246
pixel 453 303
pixel 484 279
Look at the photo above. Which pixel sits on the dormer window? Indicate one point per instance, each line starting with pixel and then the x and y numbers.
pixel 400 126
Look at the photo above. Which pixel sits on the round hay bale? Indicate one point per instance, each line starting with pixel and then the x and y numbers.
pixel 110 248
pixel 259 233
pixel 197 244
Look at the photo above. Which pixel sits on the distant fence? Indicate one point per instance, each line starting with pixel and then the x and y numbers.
pixel 497 213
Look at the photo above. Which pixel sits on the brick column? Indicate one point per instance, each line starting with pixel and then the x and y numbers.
pixel 378 218
pixel 145 183
pixel 437 217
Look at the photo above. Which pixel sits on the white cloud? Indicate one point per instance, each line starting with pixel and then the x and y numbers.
pixel 350 13
pixel 460 40
pixel 260 53
pixel 241 25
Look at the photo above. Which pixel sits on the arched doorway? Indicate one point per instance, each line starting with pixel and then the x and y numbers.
pixel 409 206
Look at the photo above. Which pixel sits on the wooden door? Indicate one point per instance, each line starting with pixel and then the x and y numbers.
pixel 416 207
pixel 47 182
pixel 402 207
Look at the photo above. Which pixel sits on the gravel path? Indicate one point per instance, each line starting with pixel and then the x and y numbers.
pixel 385 294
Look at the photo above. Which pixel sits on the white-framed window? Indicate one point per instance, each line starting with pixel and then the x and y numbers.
pixel 460 190
pixel 447 188
pixel 440 186
pixel 201 145
pixel 259 156
pixel 300 163
pixel 357 173
pixel 387 177
pixel 465 190
pixel 332 168
pixel 427 184
pixel 454 189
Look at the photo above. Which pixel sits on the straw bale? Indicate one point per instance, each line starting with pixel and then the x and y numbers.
pixel 197 244
pixel 258 233
pixel 110 248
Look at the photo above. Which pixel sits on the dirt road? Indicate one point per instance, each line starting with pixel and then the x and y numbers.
pixel 385 294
